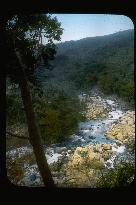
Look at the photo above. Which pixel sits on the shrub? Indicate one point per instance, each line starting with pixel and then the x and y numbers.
pixel 58 116
pixel 122 175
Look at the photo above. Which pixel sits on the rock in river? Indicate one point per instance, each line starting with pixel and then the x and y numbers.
pixel 124 128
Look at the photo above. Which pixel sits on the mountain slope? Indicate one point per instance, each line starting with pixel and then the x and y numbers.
pixel 106 61
pixel 113 48
pixel 87 46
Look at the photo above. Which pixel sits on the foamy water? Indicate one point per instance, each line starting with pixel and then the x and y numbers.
pixel 90 132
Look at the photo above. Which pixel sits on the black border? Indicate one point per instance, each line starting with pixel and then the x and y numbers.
pixel 81 7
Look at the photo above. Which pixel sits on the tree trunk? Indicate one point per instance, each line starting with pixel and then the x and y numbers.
pixel 34 134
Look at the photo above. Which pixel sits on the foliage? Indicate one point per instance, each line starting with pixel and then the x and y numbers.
pixel 106 62
pixel 122 175
pixel 24 33
pixel 14 171
pixel 58 115
pixel 23 42
pixel 14 106
pixel 15 166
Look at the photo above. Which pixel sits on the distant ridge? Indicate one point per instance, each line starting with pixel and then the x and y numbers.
pixel 104 61
pixel 92 37
pixel 86 46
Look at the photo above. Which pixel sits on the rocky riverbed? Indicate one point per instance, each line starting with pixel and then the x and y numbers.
pixel 124 128
pixel 76 162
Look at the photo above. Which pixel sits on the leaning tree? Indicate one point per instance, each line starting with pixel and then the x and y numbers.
pixel 24 35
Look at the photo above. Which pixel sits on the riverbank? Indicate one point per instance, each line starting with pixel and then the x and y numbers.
pixel 77 161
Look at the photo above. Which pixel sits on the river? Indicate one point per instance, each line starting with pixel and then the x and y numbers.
pixel 89 132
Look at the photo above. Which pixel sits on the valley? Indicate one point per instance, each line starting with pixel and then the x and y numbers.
pixel 84 107
pixel 93 137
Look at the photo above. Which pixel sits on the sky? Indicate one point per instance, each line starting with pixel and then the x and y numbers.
pixel 78 26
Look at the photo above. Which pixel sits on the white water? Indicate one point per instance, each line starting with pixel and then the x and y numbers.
pixel 120 149
pixel 19 152
pixel 90 132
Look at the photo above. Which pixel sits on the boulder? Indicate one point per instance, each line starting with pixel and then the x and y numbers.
pixel 83 153
pixel 98 148
pixel 82 166
pixel 96 109
pixel 106 146
pixel 123 128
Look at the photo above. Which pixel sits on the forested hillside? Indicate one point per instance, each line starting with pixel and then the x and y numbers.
pixel 106 61
pixel 70 119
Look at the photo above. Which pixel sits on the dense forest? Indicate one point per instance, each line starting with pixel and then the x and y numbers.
pixel 105 61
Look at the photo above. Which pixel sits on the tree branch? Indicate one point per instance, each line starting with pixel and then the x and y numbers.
pixel 18 136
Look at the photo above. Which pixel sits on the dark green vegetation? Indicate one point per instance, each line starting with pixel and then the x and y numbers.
pixel 122 175
pixel 106 61
pixel 22 40
pixel 15 111
pixel 57 113
pixel 58 117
